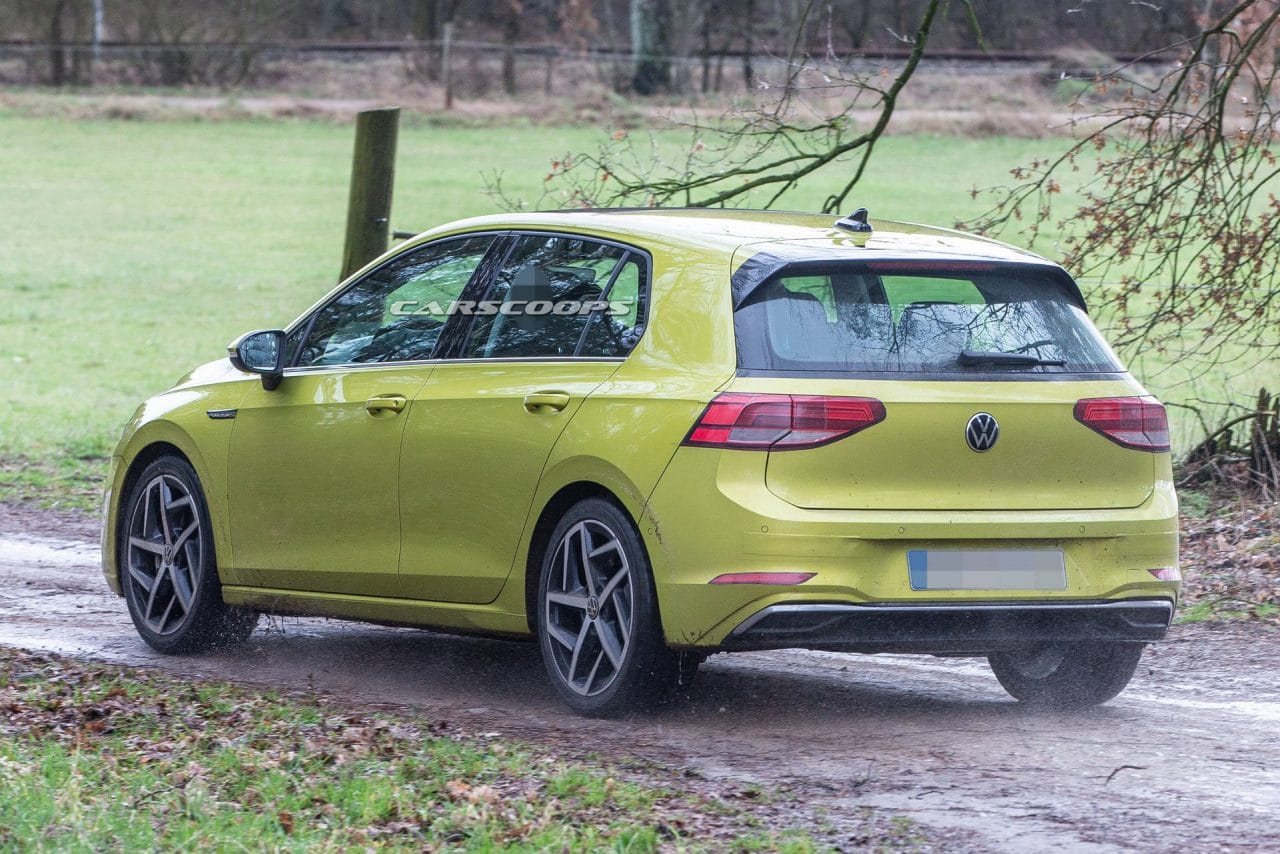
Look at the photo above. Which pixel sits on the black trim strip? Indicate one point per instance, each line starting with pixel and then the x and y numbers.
pixel 973 628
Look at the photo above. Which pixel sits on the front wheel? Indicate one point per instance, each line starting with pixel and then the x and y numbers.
pixel 598 625
pixel 167 565
pixel 1067 676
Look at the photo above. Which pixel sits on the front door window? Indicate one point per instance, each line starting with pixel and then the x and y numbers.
pixel 396 313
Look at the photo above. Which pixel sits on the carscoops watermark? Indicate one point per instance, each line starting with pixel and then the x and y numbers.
pixel 510 308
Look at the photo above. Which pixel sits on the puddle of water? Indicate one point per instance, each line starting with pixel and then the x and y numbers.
pixel 1259 709
pixel 48 552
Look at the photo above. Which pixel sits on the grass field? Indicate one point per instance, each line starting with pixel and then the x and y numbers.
pixel 96 758
pixel 132 251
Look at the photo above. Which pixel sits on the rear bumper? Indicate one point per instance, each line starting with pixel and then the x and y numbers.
pixel 711 515
pixel 973 628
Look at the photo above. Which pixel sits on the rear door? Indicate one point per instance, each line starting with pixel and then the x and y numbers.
pixel 482 428
pixel 979 366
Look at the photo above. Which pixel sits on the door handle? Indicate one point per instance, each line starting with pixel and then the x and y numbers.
pixel 556 400
pixel 385 403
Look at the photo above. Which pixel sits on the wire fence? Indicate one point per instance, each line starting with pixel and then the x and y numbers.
pixel 528 48
pixel 473 65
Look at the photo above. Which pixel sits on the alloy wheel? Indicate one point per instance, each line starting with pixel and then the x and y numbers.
pixel 164 557
pixel 589 607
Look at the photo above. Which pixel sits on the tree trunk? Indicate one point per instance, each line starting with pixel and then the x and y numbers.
pixel 57 53
pixel 650 46
pixel 510 34
pixel 748 44
pixel 857 30
pixel 175 66
pixel 707 10
pixel 426 28
pixel 446 64
pixel 95 57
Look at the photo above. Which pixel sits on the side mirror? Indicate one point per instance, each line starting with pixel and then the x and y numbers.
pixel 262 353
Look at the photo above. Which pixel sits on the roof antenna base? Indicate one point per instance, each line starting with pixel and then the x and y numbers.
pixel 856 222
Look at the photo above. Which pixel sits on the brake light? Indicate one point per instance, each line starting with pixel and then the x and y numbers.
pixel 921 268
pixel 1131 422
pixel 781 422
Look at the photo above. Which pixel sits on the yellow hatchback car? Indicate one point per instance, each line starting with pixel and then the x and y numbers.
pixel 643 436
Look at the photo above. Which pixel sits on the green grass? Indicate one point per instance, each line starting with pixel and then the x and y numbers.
pixel 132 251
pixel 1195 503
pixel 1226 610
pixel 95 757
pixel 70 479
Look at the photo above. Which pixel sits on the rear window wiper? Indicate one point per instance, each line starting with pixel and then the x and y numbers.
pixel 1007 360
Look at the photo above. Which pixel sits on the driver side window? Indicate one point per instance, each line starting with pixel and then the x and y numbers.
pixel 396 313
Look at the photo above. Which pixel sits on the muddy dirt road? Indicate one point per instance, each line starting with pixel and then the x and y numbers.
pixel 1188 756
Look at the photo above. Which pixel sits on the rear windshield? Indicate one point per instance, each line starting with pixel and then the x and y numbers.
pixel 894 317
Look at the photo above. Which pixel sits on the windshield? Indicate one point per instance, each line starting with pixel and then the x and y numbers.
pixel 930 317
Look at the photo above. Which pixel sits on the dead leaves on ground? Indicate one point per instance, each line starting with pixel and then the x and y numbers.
pixel 209 749
pixel 1232 556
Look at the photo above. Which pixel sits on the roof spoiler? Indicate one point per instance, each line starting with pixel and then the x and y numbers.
pixel 757 270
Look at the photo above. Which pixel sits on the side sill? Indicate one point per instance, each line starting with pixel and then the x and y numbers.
pixel 445 616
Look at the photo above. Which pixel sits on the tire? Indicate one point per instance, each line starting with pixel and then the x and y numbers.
pixel 1067 676
pixel 597 620
pixel 167 564
pixel 687 663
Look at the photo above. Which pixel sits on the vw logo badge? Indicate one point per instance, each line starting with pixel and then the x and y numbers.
pixel 982 431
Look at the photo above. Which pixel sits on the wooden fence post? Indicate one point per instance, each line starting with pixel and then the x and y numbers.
pixel 446 62
pixel 373 169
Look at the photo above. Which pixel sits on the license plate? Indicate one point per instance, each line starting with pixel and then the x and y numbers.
pixel 987 569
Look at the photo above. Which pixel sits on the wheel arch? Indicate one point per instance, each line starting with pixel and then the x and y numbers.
pixel 145 457
pixel 552 510
pixel 145 447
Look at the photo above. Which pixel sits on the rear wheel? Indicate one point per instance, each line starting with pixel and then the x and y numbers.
pixel 1066 676
pixel 687 663
pixel 167 565
pixel 598 625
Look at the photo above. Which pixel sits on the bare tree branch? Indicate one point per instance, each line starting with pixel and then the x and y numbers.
pixel 1179 214
pixel 771 148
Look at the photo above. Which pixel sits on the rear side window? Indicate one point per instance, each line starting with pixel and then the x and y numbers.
pixel 615 329
pixel 891 317
pixel 558 296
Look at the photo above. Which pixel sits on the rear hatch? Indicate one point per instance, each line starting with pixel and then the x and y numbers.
pixel 979 370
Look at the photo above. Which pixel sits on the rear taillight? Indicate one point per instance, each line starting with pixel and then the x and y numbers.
pixel 781 422
pixel 1131 422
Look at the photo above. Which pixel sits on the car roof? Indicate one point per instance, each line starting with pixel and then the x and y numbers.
pixel 752 231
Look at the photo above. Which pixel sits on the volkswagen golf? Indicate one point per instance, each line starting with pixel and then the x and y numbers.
pixel 644 436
